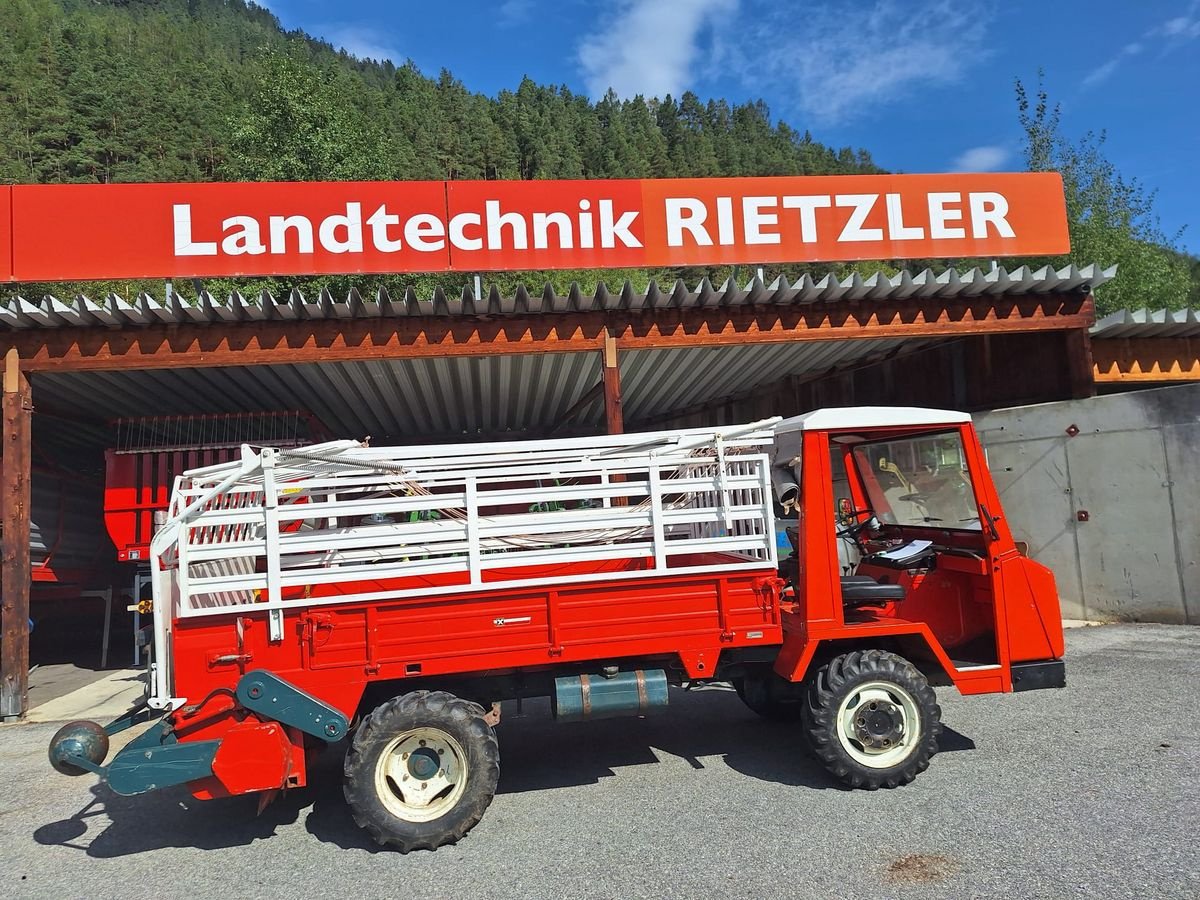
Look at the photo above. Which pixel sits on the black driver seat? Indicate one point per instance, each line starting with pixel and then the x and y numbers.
pixel 863 590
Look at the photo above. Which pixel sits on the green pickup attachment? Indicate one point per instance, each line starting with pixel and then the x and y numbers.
pixel 158 759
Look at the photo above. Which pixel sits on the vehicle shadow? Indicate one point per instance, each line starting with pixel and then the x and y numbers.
pixel 954 741
pixel 704 727
pixel 708 727
pixel 111 826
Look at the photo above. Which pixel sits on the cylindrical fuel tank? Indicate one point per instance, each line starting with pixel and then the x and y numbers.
pixel 579 697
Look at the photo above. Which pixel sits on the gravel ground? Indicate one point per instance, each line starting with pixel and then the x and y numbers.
pixel 1088 791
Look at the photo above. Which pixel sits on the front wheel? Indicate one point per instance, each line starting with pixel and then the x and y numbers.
pixel 872 719
pixel 421 770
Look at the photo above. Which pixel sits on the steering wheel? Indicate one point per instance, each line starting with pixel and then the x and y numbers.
pixel 853 531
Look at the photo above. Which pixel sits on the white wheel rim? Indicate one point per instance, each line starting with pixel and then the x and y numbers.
pixel 421 774
pixel 858 718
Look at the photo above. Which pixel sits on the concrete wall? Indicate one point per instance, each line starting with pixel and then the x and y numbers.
pixel 1113 509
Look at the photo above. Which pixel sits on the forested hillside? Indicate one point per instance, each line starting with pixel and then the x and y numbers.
pixel 196 90
pixel 152 90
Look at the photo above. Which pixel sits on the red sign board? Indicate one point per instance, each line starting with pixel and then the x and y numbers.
pixel 77 232
pixel 5 233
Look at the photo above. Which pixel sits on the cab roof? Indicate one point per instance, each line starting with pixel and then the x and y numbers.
pixel 839 418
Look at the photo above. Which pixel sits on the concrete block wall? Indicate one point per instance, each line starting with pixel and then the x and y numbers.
pixel 1106 491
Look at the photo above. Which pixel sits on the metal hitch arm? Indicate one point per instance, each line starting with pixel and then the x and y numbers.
pixel 273 698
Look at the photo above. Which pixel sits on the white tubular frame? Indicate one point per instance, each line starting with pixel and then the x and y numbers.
pixel 240 534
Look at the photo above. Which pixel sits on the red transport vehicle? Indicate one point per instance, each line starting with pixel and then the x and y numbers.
pixel 392 598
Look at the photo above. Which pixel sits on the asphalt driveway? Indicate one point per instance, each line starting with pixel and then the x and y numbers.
pixel 1088 791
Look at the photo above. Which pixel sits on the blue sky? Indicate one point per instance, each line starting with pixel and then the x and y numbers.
pixel 924 85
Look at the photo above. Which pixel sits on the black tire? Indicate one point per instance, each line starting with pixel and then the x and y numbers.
pixel 772 697
pixel 839 681
pixel 460 720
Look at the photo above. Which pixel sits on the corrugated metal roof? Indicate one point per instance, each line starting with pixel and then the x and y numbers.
pixel 657 382
pixel 411 399
pixel 392 397
pixel 115 311
pixel 1158 323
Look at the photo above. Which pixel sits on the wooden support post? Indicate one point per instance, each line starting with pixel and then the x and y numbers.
pixel 612 387
pixel 14 546
pixel 1081 376
pixel 614 418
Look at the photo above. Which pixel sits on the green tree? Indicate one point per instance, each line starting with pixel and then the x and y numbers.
pixel 302 124
pixel 1112 219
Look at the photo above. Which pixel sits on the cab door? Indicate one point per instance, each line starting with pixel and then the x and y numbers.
pixel 1025 597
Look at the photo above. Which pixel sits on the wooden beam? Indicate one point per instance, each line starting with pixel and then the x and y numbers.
pixel 14 544
pixel 329 340
pixel 613 415
pixel 1145 360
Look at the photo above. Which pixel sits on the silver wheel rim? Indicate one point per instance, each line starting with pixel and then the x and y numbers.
pixel 869 746
pixel 421 774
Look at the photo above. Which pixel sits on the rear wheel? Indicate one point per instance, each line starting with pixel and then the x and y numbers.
pixel 421 770
pixel 872 719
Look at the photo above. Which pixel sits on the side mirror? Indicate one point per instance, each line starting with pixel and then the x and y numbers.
pixel 845 507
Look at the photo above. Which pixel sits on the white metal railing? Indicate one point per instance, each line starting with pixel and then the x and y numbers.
pixel 260 532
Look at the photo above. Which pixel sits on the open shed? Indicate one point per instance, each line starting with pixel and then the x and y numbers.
pixel 410 369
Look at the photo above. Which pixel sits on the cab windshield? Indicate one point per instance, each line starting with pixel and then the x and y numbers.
pixel 919 482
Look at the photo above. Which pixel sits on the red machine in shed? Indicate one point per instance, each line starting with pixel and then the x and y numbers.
pixel 148 453
pixel 396 596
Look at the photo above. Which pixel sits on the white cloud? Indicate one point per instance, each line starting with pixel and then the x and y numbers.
pixel 363 41
pixel 1185 27
pixel 1102 72
pixel 649 47
pixel 836 59
pixel 1168 35
pixel 981 159
pixel 513 12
